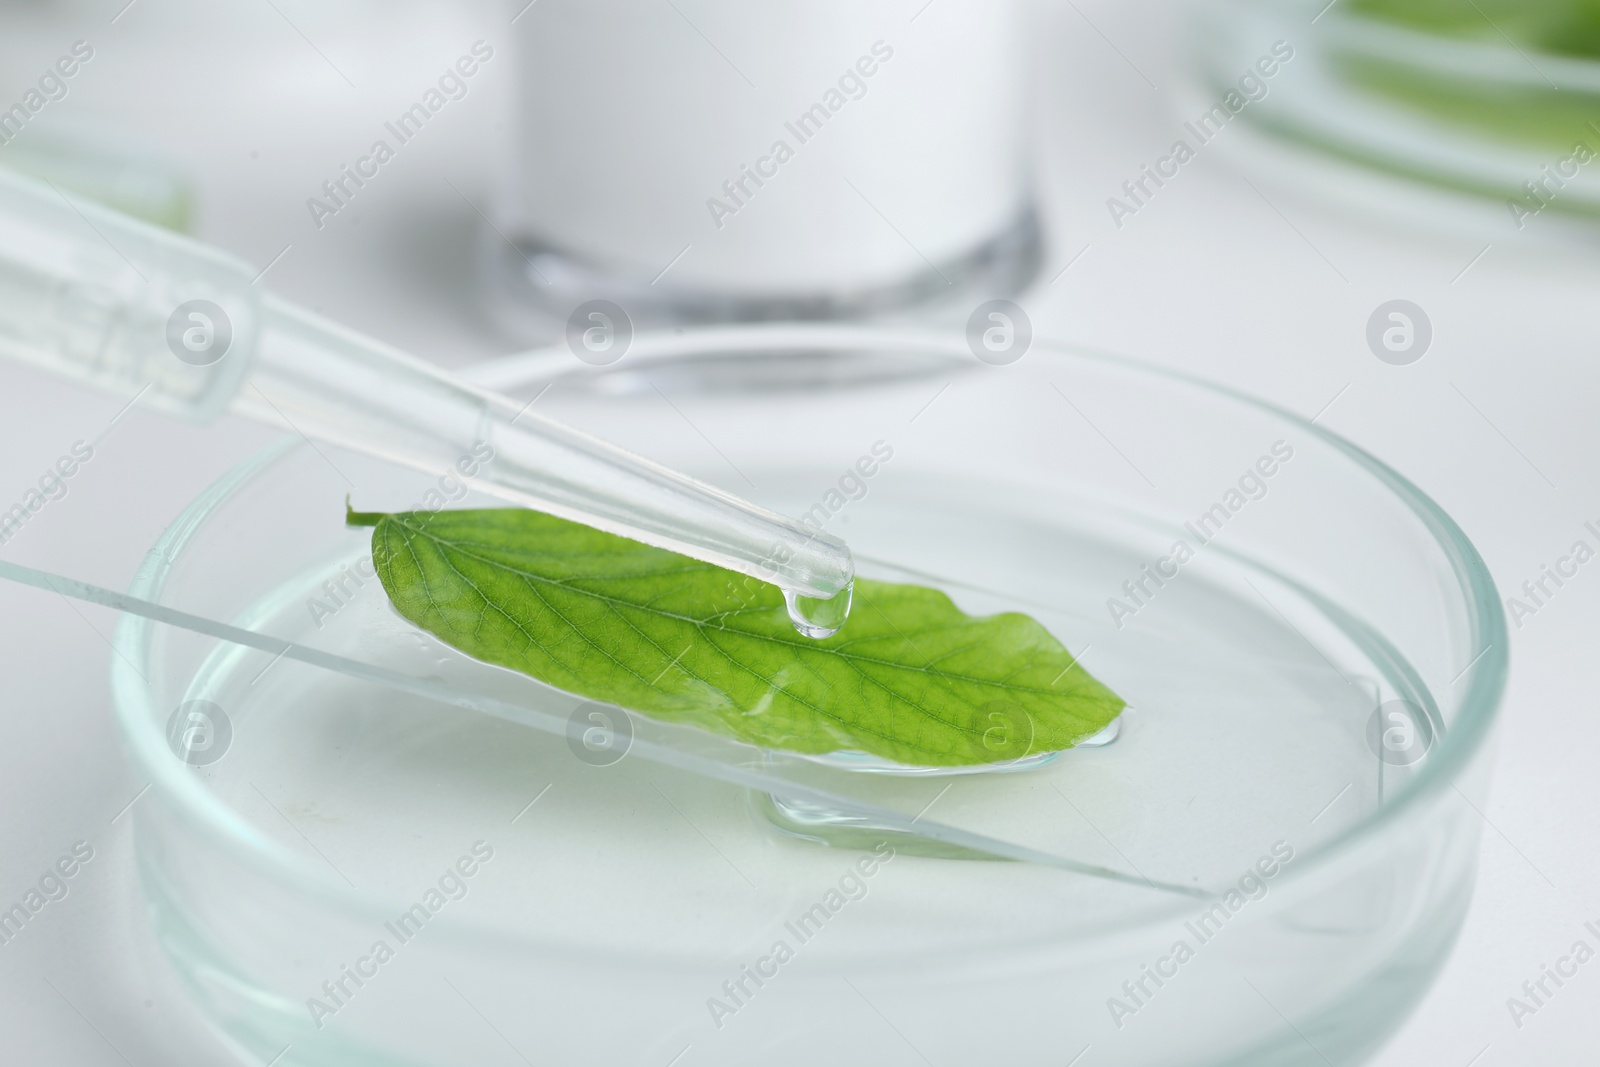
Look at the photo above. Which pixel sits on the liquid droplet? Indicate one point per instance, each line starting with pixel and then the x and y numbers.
pixel 818 618
pixel 1112 731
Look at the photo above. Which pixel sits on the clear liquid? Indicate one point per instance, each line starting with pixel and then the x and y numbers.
pixel 1235 723
pixel 818 618
pixel 1246 727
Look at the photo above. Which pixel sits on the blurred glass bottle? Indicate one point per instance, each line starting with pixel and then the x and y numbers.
pixel 720 161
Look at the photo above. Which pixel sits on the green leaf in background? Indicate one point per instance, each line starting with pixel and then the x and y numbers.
pixel 909 677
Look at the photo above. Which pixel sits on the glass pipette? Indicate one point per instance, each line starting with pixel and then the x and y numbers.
pixel 111 301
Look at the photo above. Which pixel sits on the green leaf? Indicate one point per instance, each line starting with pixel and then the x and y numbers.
pixel 909 677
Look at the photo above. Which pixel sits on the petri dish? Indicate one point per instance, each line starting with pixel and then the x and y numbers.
pixel 1489 108
pixel 347 873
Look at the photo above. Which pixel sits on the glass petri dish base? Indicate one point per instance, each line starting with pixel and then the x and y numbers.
pixel 367 876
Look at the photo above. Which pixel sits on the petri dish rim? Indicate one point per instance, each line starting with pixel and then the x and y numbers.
pixel 1485 676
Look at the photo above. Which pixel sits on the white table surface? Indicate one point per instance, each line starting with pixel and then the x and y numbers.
pixel 1263 287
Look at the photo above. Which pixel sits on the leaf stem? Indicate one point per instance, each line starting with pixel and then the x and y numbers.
pixel 361 518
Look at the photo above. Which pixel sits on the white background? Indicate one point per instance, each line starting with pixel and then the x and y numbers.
pixel 1263 286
